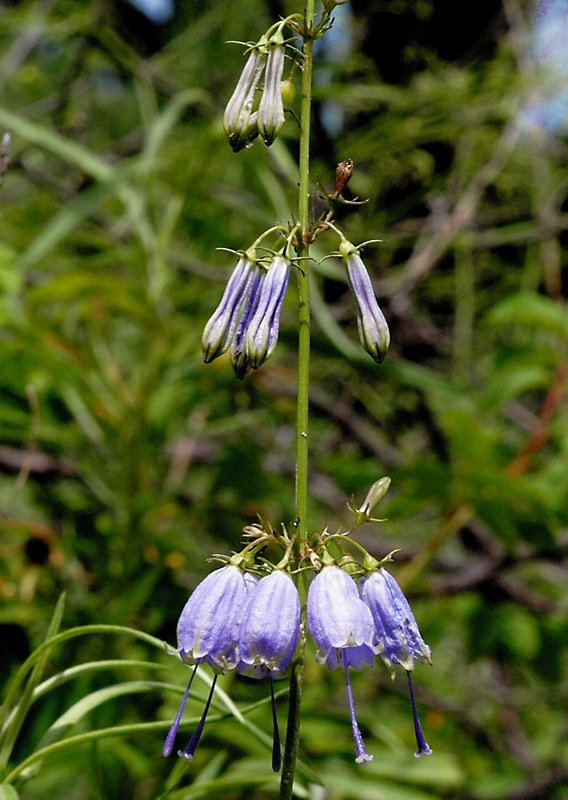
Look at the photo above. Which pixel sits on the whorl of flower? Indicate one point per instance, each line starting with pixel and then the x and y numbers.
pixel 270 628
pixel 395 626
pixel 263 325
pixel 238 120
pixel 372 326
pixel 271 107
pixel 209 625
pixel 219 331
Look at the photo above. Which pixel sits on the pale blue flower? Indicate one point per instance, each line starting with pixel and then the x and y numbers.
pixel 337 617
pixel 210 623
pixel 269 637
pixel 343 630
pixel 395 626
pixel 208 631
pixel 270 628
pixel 397 633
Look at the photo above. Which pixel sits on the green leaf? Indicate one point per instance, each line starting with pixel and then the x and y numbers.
pixel 15 716
pixel 531 310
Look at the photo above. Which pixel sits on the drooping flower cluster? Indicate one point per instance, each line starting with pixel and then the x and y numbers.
pixel 352 623
pixel 235 621
pixel 241 121
pixel 247 319
pixel 229 623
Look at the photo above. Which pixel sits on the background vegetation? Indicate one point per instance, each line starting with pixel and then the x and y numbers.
pixel 125 462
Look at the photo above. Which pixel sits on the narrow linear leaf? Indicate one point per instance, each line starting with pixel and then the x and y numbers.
pixel 14 718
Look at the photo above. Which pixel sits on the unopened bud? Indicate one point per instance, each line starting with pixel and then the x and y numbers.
pixel 263 328
pixel 372 326
pixel 239 126
pixel 271 108
pixel 219 330
pixel 288 93
pixel 374 496
pixel 239 356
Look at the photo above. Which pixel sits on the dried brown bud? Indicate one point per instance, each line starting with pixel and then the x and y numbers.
pixel 343 173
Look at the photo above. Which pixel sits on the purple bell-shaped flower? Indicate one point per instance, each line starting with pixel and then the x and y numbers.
pixel 208 631
pixel 343 630
pixel 397 632
pixel 269 636
pixel 270 628
pixel 371 323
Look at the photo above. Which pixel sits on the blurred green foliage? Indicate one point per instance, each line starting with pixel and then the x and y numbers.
pixel 125 462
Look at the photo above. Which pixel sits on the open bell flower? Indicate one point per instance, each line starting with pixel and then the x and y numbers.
pixel 270 627
pixel 372 326
pixel 342 627
pixel 269 637
pixel 208 631
pixel 396 628
pixel 209 625
pixel 398 635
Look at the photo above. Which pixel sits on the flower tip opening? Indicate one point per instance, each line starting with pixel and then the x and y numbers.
pixel 363 757
pixel 186 755
pixel 423 748
pixel 424 751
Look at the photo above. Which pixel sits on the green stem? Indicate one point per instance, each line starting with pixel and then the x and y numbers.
pixel 303 289
pixel 291 747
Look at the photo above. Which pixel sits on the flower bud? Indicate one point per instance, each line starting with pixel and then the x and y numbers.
pixel 372 326
pixel 239 356
pixel 262 330
pixel 239 121
pixel 271 108
pixel 288 93
pixel 374 496
pixel 221 327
